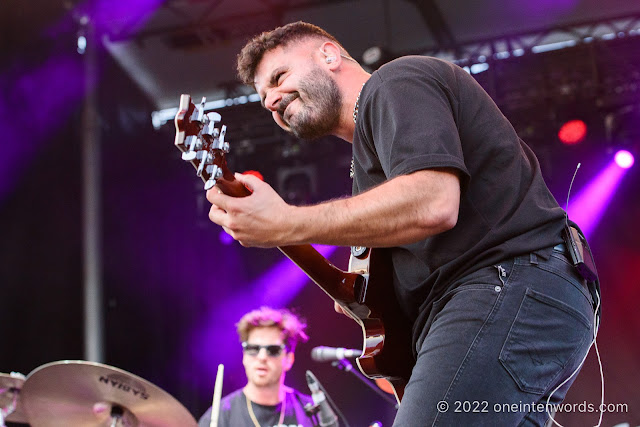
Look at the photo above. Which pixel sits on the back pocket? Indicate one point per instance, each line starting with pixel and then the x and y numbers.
pixel 545 337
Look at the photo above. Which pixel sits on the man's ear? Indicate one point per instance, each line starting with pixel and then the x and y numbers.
pixel 331 53
pixel 288 362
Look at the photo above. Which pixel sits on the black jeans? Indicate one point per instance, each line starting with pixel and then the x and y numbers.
pixel 497 346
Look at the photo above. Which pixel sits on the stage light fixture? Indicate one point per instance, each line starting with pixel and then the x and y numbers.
pixel 624 159
pixel 374 57
pixel 82 44
pixel 590 203
pixel 572 132
pixel 623 134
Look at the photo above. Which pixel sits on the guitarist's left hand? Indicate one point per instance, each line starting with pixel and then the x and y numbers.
pixel 256 220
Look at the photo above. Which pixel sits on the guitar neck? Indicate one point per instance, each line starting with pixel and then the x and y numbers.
pixel 338 284
pixel 375 308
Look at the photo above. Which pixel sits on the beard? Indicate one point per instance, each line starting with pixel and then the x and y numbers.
pixel 271 379
pixel 320 112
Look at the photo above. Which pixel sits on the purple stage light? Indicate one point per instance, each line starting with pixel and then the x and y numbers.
pixel 213 341
pixel 553 9
pixel 38 100
pixel 282 283
pixel 37 103
pixel 225 238
pixel 589 205
pixel 624 159
pixel 110 17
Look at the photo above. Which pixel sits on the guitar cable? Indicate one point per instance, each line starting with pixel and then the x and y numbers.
pixel 594 343
pixel 333 405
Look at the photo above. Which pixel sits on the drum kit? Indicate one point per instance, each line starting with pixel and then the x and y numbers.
pixel 87 394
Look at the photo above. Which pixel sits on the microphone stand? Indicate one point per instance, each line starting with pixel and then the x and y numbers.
pixel 345 365
pixel 314 409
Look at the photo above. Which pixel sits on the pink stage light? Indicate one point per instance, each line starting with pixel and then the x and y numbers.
pixel 624 159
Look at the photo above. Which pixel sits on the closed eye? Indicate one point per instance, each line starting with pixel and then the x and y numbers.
pixel 276 77
pixel 275 80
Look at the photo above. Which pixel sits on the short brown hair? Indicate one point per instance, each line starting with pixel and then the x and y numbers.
pixel 291 325
pixel 252 53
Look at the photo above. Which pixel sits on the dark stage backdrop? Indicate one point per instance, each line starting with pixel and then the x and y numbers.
pixel 173 292
pixel 40 206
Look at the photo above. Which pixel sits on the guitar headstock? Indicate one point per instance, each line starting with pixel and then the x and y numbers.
pixel 201 143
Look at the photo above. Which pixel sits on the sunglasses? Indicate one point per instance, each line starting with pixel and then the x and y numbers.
pixel 273 350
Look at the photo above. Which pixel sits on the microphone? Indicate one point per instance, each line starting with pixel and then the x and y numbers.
pixel 329 354
pixel 326 416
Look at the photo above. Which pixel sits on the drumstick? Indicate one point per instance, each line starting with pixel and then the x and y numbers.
pixel 217 394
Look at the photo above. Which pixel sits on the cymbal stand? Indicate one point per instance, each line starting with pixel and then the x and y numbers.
pixel 5 412
pixel 122 418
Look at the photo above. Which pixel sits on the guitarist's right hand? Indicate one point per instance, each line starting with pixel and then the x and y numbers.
pixel 259 219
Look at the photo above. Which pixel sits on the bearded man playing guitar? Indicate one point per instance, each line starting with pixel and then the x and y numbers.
pixel 496 312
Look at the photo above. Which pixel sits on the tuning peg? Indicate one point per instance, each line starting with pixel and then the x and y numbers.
pixel 194 144
pixel 209 130
pixel 189 156
pixel 224 146
pixel 209 184
pixel 206 143
pixel 214 117
pixel 206 157
pixel 216 173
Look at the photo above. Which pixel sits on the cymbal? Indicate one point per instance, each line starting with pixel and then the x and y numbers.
pixel 11 384
pixel 85 394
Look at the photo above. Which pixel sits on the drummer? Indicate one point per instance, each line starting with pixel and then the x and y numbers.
pixel 268 338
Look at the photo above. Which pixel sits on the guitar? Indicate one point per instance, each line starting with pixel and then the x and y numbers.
pixel 364 292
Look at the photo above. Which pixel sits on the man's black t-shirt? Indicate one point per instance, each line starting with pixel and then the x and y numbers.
pixel 420 113
pixel 234 412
